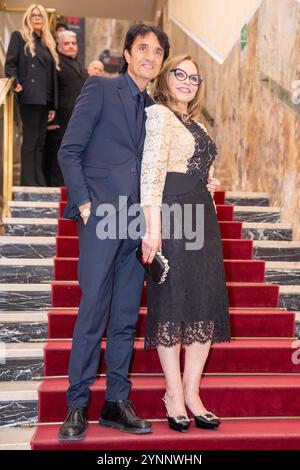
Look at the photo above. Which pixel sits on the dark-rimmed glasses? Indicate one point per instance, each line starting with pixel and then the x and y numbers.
pixel 36 16
pixel 182 75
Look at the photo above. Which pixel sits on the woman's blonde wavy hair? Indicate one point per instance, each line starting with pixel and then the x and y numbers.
pixel 46 37
pixel 162 93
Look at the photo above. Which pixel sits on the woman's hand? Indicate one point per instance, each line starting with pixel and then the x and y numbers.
pixel 212 185
pixel 18 88
pixel 152 239
pixel 53 127
pixel 51 115
pixel 151 244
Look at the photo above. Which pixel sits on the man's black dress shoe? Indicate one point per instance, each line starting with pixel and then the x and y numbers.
pixel 121 415
pixel 74 427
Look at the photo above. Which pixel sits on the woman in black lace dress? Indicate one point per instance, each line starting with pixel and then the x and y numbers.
pixel 190 308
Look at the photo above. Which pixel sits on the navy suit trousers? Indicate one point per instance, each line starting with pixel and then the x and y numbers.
pixel 111 280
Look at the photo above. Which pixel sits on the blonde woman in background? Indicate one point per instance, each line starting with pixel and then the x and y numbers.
pixel 32 60
pixel 190 308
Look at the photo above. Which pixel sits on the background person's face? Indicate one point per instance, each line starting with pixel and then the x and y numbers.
pixel 96 68
pixel 182 91
pixel 59 30
pixel 146 57
pixel 68 46
pixel 36 19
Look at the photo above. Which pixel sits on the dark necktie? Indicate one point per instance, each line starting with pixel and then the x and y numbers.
pixel 140 115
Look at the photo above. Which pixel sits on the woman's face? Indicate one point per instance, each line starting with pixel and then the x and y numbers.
pixel 181 88
pixel 36 19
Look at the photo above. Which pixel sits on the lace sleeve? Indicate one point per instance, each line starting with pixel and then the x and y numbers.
pixel 155 156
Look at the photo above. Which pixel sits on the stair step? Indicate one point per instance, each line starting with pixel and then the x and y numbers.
pixel 22 270
pixel 27 247
pixel 25 296
pixel 16 438
pixel 242 434
pixel 68 294
pixel 244 323
pixel 13 332
pixel 18 403
pixel 31 316
pixel 289 297
pixel 22 362
pixel 238 356
pixel 229 229
pixel 23 327
pixel 36 209
pixel 226 396
pixel 283 272
pixel 31 193
pixel 277 250
pixel 257 214
pixel 267 231
pixel 247 198
pixel 29 227
pixel 67 247
pixel 224 211
pixel 65 269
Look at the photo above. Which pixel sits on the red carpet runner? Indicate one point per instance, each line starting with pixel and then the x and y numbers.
pixel 251 382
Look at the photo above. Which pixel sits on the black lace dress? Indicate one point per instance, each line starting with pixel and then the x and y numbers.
pixel 192 304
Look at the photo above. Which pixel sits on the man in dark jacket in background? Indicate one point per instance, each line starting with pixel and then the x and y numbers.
pixel 71 78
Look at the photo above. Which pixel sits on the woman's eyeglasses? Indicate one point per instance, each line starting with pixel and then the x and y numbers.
pixel 182 75
pixel 36 16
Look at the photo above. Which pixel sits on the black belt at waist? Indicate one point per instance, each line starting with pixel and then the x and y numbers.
pixel 181 183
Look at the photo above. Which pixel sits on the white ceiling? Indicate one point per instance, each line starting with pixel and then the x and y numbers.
pixel 119 9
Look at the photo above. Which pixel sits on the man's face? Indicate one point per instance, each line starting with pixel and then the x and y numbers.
pixel 146 58
pixel 96 68
pixel 68 46
pixel 59 30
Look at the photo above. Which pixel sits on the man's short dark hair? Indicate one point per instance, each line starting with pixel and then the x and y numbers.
pixel 61 25
pixel 141 29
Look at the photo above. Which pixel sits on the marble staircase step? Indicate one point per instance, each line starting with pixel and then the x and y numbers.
pixel 31 193
pixel 25 296
pixel 267 231
pixel 21 362
pixel 18 403
pixel 244 198
pixel 25 193
pixel 269 250
pixel 16 438
pixel 30 226
pixel 26 270
pixel 36 209
pixel 283 272
pixel 289 297
pixel 23 327
pixel 27 247
pixel 257 214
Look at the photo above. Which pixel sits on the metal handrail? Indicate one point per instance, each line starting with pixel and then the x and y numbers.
pixel 7 100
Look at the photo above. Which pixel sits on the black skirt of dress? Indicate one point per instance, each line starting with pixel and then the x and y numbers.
pixel 192 304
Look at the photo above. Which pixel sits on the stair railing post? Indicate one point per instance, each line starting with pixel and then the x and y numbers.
pixel 8 143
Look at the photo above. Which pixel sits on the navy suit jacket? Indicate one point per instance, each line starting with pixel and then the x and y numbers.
pixel 100 155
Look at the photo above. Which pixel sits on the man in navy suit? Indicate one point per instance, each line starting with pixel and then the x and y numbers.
pixel 100 158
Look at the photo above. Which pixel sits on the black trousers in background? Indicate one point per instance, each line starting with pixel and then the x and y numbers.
pixel 34 118
pixel 54 138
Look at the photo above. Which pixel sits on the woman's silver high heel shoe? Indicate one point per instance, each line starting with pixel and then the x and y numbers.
pixel 177 423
